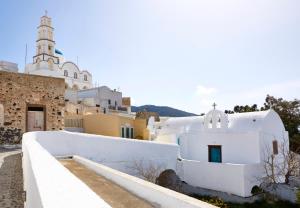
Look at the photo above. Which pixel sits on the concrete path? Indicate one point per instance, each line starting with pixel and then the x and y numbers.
pixel 11 178
pixel 110 192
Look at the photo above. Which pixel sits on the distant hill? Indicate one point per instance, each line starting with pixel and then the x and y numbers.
pixel 162 110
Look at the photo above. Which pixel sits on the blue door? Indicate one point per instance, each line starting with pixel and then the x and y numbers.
pixel 215 153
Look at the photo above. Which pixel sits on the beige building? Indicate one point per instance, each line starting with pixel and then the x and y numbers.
pixel 116 125
pixel 91 121
pixel 29 103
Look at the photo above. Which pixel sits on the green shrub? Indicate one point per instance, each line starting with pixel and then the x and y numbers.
pixel 211 200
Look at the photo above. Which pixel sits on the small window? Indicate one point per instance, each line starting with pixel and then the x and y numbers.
pixel 65 73
pixel 75 75
pixel 214 153
pixel 115 103
pixel 85 77
pixel 109 102
pixel 49 48
pixel 178 141
pixel 275 147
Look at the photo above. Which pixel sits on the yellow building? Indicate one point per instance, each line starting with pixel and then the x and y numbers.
pixel 115 124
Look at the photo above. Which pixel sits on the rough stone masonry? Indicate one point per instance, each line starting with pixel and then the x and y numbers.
pixel 17 92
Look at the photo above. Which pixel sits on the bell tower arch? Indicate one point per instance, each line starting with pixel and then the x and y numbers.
pixel 45 44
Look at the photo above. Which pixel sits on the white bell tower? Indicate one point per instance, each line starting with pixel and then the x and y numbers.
pixel 45 45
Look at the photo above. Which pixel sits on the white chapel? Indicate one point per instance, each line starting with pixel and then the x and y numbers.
pixel 225 152
pixel 49 61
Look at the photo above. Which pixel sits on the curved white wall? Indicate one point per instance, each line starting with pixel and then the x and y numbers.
pixel 48 184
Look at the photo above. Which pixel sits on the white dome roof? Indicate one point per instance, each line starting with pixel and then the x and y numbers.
pixel 238 122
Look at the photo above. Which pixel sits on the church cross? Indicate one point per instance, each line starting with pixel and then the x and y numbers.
pixel 214 105
pixel 46 12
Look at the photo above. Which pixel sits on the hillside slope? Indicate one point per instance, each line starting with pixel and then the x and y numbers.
pixel 162 110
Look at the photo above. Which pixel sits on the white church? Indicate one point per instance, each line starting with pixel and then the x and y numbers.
pixel 49 61
pixel 224 152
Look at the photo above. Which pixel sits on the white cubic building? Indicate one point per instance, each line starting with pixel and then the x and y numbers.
pixel 49 61
pixel 225 152
pixel 103 97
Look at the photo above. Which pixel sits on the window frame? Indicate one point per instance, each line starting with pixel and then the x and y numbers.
pixel 210 147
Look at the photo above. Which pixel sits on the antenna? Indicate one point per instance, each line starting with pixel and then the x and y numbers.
pixel 25 55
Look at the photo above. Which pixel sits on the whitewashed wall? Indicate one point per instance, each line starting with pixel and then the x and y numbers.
pixel 48 184
pixel 117 153
pixel 101 95
pixel 239 148
pixel 231 178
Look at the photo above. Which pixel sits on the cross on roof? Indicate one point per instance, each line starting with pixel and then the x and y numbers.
pixel 46 12
pixel 214 105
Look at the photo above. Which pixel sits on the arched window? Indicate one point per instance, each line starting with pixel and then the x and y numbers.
pixel 75 75
pixel 85 77
pixel 65 73
pixel 1 115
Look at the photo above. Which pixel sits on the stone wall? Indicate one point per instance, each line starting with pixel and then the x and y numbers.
pixel 17 91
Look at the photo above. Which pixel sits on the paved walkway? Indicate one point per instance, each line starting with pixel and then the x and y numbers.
pixel 11 179
pixel 113 194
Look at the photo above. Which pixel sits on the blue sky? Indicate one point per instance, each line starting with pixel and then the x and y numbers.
pixel 185 54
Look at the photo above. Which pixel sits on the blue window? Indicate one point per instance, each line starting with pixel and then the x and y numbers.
pixel 214 153
pixel 178 140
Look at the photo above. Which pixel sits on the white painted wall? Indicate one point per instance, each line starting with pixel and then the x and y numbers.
pixel 144 189
pixel 117 153
pixel 43 69
pixel 48 184
pixel 239 148
pixel 231 178
pixel 101 95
